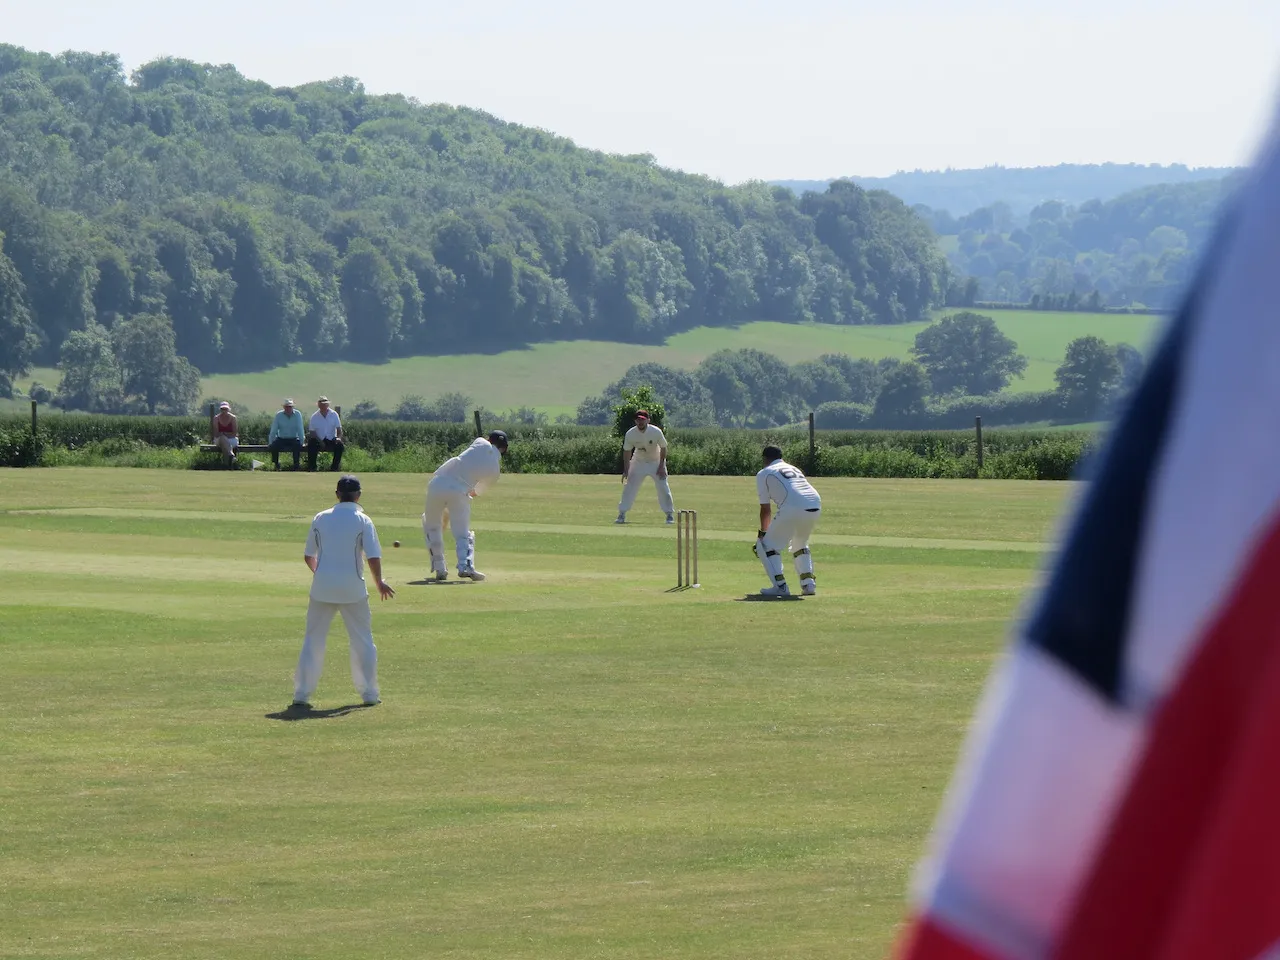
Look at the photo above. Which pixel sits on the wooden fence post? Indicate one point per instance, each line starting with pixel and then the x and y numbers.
pixel 977 425
pixel 479 429
pixel 213 413
pixel 34 424
pixel 813 449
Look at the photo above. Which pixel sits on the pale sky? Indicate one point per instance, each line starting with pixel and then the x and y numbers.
pixel 801 89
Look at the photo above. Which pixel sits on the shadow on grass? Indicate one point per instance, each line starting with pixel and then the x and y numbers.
pixel 439 583
pixel 757 598
pixel 310 713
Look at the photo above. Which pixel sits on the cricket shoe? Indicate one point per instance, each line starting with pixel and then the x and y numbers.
pixel 781 590
pixel 809 590
pixel 471 573
pixel 441 575
pixel 622 518
pixel 671 518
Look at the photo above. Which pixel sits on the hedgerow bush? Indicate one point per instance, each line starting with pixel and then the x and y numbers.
pixel 390 446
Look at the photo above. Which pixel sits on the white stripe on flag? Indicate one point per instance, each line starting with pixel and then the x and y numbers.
pixel 1045 765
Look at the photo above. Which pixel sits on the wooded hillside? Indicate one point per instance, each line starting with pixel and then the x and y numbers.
pixel 262 225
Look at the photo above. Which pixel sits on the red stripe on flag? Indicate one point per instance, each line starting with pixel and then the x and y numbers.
pixel 1191 865
pixel 925 940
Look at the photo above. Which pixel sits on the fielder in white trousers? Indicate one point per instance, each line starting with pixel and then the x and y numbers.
pixel 364 655
pixel 635 477
pixel 342 540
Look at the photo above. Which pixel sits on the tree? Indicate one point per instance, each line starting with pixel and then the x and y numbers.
pixel 18 339
pixel 91 376
pixel 862 377
pixel 967 353
pixel 903 394
pixel 642 398
pixel 819 382
pixel 150 367
pixel 687 401
pixel 1132 364
pixel 1088 376
pixel 371 296
pixel 729 394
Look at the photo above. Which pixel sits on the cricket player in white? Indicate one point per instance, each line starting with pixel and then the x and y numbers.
pixel 644 454
pixel 342 539
pixel 450 491
pixel 790 527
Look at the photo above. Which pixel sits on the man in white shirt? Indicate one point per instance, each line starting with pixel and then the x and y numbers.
pixel 324 432
pixel 342 540
pixel 790 527
pixel 644 454
pixel 449 494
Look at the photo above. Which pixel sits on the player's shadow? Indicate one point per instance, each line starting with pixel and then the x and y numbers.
pixel 687 586
pixel 440 583
pixel 758 598
pixel 310 713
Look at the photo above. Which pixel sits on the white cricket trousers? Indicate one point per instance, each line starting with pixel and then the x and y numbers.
pixel 790 530
pixel 364 655
pixel 439 499
pixel 635 477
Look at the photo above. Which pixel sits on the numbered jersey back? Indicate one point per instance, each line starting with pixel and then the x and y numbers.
pixel 786 486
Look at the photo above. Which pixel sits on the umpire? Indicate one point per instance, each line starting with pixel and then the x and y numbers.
pixel 341 537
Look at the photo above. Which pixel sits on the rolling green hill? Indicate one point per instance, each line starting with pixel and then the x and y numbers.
pixel 554 377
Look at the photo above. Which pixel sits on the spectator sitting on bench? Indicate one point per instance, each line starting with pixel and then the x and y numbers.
pixel 226 433
pixel 287 433
pixel 325 434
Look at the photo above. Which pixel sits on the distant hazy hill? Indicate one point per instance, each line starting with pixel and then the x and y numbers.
pixel 1022 188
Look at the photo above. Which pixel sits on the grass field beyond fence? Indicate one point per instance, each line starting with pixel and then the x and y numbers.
pixel 569 761
pixel 555 377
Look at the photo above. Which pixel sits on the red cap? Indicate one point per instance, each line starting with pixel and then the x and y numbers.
pixel 643 413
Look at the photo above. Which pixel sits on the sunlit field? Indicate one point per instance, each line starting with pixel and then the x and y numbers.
pixel 570 761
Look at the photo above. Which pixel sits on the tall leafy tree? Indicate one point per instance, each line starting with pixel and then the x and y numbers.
pixel 1088 376
pixel 91 376
pixel 967 353
pixel 18 339
pixel 150 368
pixel 906 386
pixel 371 296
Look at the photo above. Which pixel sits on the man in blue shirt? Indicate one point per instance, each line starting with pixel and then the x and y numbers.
pixel 287 433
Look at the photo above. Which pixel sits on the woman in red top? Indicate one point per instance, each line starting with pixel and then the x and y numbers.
pixel 225 432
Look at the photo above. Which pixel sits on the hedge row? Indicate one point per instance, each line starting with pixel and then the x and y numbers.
pixel 392 446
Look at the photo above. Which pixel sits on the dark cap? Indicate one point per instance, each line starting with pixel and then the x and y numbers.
pixel 348 483
pixel 498 438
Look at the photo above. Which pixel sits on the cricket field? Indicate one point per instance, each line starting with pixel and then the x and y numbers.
pixel 570 761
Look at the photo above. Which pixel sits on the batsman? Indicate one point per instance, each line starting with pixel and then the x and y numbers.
pixel 449 495
pixel 787 528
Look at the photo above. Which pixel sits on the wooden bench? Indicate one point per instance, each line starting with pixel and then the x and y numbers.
pixel 212 447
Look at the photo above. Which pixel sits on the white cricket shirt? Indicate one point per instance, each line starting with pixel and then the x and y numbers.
pixel 786 486
pixel 475 468
pixel 325 428
pixel 648 444
pixel 341 537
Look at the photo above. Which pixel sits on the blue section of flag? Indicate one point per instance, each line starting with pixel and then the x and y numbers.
pixel 1084 611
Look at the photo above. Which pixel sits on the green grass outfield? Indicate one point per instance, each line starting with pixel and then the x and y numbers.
pixel 570 761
